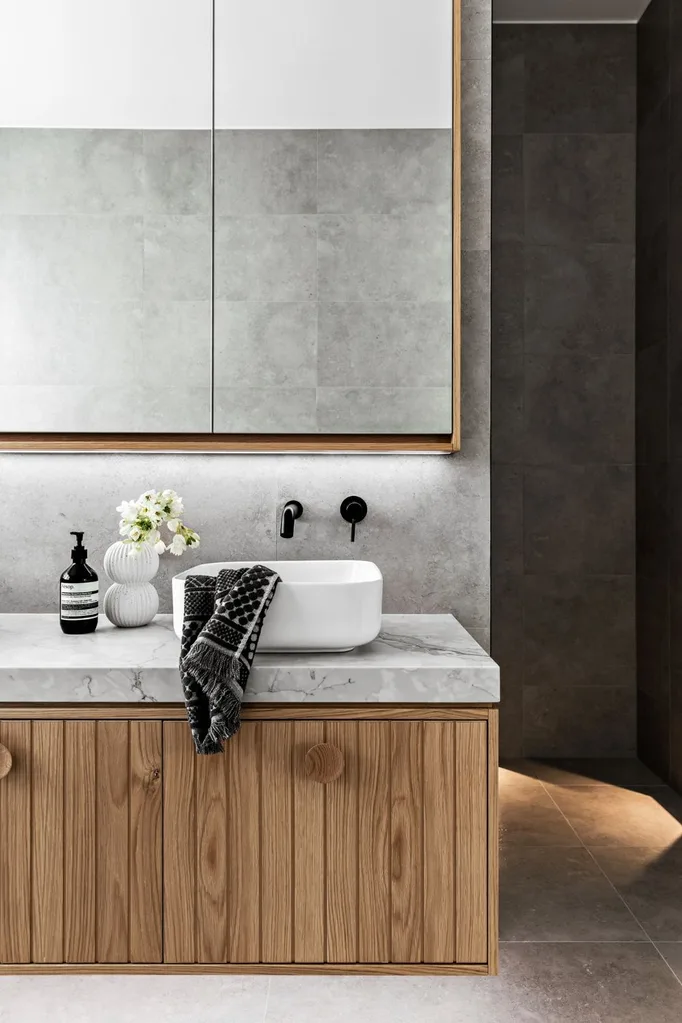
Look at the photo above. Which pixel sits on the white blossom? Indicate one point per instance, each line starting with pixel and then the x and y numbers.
pixel 141 521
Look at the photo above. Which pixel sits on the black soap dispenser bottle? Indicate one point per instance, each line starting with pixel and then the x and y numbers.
pixel 78 593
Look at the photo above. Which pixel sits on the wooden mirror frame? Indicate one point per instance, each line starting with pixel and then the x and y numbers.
pixel 306 443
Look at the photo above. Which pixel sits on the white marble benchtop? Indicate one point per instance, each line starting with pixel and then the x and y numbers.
pixel 415 659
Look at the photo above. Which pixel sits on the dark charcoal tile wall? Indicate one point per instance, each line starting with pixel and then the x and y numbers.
pixel 563 445
pixel 659 389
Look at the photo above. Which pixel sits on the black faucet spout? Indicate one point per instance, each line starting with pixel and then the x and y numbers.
pixel 291 511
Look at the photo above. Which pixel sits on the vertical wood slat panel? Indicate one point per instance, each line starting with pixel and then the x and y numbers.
pixel 15 845
pixel 309 879
pixel 439 842
pixel 145 842
pixel 243 843
pixel 342 848
pixel 406 842
pixel 471 829
pixel 112 842
pixel 80 847
pixel 276 842
pixel 374 936
pixel 211 859
pixel 47 933
pixel 179 843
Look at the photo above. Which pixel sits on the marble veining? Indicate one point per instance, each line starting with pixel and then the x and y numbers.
pixel 415 658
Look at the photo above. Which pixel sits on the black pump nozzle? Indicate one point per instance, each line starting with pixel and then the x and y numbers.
pixel 78 553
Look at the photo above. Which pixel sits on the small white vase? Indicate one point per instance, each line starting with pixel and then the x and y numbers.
pixel 132 600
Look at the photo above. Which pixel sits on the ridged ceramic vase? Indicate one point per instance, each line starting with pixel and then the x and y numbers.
pixel 132 600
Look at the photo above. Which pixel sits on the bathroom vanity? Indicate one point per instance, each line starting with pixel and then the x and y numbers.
pixel 349 827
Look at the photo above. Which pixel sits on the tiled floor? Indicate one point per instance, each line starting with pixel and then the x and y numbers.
pixel 591 925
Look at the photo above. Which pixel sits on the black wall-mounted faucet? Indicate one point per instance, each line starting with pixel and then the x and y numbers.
pixel 353 510
pixel 291 511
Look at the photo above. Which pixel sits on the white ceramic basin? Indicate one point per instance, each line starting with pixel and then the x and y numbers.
pixel 318 605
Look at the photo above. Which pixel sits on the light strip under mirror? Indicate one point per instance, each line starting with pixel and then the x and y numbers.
pixel 239 303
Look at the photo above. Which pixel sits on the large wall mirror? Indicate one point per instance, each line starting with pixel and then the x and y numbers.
pixel 229 224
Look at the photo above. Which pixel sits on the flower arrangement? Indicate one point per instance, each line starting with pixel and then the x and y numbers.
pixel 141 521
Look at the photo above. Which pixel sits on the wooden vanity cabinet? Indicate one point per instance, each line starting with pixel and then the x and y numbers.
pixel 334 842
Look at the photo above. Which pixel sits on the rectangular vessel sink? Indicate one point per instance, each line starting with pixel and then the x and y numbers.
pixel 319 605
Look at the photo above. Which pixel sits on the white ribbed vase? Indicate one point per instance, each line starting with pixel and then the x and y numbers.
pixel 132 600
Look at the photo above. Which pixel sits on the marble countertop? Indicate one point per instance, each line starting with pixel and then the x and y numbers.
pixel 415 659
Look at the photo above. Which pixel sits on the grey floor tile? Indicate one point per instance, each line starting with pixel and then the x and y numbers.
pixel 385 171
pixel 380 258
pixel 557 894
pixel 606 815
pixel 177 171
pixel 571 771
pixel 529 816
pixel 265 171
pixel 266 258
pixel 650 881
pixel 672 953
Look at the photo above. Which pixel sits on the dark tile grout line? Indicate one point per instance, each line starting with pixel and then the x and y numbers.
pixel 608 879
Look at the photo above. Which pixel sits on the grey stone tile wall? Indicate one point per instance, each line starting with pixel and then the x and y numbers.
pixel 428 526
pixel 659 391
pixel 105 280
pixel 352 231
pixel 563 429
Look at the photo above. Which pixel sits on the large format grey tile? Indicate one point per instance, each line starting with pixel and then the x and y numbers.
pixel 507 409
pixel 579 188
pixel 265 344
pixel 580 78
pixel 381 258
pixel 384 410
pixel 607 815
pixel 476 82
pixel 507 312
pixel 543 983
pixel 392 170
pixel 266 258
pixel 476 32
pixel 555 894
pixel 103 341
pixel 177 171
pixel 508 79
pixel 650 882
pixel 672 953
pixel 579 409
pixel 95 259
pixel 70 171
pixel 586 721
pixel 508 216
pixel 475 385
pixel 240 409
pixel 133 407
pixel 384 344
pixel 579 518
pixel 126 1000
pixel 507 520
pixel 529 816
pixel 580 298
pixel 265 171
pixel 177 258
pixel 579 630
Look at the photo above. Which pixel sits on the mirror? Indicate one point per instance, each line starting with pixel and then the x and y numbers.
pixel 229 218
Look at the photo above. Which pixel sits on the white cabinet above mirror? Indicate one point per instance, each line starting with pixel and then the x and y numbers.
pixel 229 225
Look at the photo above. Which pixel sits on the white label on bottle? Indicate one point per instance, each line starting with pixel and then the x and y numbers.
pixel 79 600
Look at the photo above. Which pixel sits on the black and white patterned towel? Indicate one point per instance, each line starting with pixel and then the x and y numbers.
pixel 224 615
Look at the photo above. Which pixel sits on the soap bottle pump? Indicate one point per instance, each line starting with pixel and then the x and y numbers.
pixel 78 593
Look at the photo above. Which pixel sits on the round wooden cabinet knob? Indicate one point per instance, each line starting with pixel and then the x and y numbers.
pixel 324 763
pixel 5 761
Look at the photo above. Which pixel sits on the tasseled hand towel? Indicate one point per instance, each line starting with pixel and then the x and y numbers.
pixel 223 619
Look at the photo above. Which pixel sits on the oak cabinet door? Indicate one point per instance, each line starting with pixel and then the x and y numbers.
pixel 80 842
pixel 370 849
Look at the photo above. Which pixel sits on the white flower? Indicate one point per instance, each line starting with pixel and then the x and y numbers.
pixel 178 545
pixel 160 547
pixel 173 525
